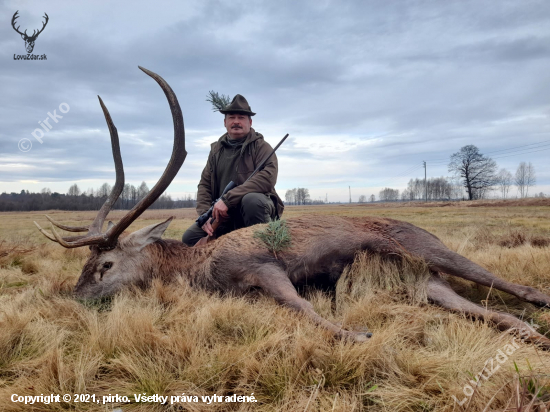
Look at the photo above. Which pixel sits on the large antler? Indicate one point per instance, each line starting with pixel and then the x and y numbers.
pixel 108 239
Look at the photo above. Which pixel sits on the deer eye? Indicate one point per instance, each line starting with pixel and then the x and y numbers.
pixel 107 265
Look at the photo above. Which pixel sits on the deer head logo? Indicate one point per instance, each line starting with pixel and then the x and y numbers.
pixel 29 40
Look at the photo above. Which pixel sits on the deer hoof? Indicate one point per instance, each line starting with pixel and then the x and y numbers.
pixel 537 298
pixel 362 336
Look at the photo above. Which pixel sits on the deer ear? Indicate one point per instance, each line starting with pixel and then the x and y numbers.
pixel 110 225
pixel 147 235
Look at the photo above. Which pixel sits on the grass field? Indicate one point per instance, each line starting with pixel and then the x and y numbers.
pixel 170 340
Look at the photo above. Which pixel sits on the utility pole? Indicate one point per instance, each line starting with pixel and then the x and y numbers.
pixel 350 193
pixel 425 183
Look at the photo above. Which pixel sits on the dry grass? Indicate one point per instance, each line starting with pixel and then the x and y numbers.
pixel 170 339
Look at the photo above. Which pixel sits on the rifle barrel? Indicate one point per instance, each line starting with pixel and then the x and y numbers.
pixel 266 159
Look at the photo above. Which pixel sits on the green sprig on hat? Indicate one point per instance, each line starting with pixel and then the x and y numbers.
pixel 219 102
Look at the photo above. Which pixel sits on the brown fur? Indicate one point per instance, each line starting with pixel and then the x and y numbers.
pixel 321 247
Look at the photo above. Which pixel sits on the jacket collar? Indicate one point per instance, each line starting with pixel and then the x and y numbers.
pixel 250 137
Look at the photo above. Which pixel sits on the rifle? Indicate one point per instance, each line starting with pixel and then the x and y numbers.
pixel 231 185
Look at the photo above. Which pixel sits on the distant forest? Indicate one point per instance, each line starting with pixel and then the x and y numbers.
pixel 74 199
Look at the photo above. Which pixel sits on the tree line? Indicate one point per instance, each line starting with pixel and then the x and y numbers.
pixel 474 175
pixel 92 199
pixel 300 196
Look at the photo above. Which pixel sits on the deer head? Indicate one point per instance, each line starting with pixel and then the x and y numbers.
pixel 29 40
pixel 114 263
pixel 108 271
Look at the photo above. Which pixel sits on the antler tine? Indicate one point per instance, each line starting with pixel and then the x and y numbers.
pixel 67 238
pixel 177 159
pixel 44 232
pixel 97 224
pixel 77 241
pixel 60 240
pixel 68 228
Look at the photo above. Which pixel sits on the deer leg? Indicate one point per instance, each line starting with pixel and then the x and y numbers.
pixel 447 261
pixel 275 283
pixel 441 259
pixel 440 293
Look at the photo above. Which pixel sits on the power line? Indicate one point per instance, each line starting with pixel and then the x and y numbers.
pixel 513 153
pixel 404 174
pixel 518 154
pixel 544 145
pixel 401 174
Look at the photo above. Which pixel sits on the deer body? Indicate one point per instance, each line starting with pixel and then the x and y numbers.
pixel 322 246
pixel 320 249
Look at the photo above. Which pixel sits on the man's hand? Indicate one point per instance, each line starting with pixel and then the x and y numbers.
pixel 207 227
pixel 219 213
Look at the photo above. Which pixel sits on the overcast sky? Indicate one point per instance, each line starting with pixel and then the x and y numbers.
pixel 366 89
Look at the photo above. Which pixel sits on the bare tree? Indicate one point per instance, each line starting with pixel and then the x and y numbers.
pixel 74 190
pixel 476 171
pixel 362 199
pixel 525 178
pixel 302 196
pixel 389 195
pixel 504 181
pixel 372 198
pixel 126 194
pixel 290 196
pixel 142 191
pixel 298 196
pixel 104 190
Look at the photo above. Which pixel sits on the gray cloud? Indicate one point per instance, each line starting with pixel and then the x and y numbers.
pixel 367 90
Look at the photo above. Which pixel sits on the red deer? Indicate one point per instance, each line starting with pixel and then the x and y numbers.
pixel 237 262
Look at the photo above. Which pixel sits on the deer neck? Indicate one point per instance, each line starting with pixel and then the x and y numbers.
pixel 169 259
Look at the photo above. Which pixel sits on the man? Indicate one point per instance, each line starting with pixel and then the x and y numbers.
pixel 234 157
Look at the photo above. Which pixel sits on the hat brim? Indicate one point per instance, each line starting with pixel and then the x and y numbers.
pixel 238 111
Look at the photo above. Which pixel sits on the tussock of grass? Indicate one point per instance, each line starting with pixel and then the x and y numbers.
pixel 396 274
pixel 170 339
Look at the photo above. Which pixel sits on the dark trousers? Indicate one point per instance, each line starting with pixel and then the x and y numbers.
pixel 254 208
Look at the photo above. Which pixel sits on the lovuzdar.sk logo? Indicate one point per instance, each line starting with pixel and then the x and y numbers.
pixel 29 40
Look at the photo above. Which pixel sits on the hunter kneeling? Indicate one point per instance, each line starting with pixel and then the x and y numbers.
pixel 233 158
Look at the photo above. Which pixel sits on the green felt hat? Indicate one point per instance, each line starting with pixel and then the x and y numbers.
pixel 238 105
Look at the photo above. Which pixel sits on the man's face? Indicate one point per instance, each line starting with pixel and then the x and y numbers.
pixel 237 125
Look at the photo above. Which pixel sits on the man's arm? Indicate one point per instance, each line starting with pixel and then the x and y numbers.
pixel 262 182
pixel 204 193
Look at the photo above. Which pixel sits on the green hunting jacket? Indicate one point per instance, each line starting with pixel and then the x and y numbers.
pixel 254 150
